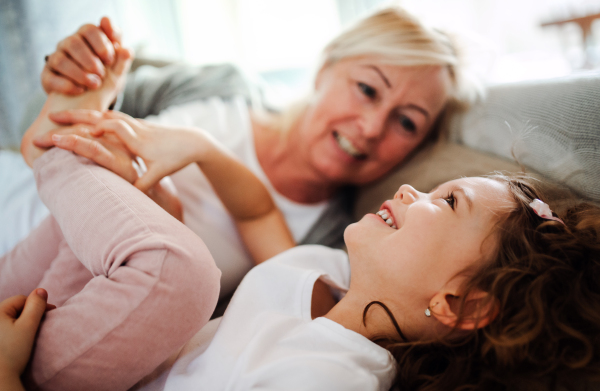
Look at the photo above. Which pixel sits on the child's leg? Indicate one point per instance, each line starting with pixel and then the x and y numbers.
pixel 44 260
pixel 22 268
pixel 155 283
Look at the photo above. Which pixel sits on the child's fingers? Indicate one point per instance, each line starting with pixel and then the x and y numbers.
pixel 12 306
pixel 35 307
pixel 76 116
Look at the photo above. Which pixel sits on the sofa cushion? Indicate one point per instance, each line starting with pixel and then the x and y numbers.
pixel 444 162
pixel 551 126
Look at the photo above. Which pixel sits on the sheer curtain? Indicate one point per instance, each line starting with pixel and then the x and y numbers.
pixel 30 29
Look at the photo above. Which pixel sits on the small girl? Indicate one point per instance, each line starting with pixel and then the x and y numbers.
pixel 475 285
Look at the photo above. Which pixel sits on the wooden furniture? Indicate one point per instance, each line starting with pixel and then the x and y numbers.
pixel 585 23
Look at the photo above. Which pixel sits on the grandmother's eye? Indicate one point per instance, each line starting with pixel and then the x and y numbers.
pixel 407 124
pixel 451 200
pixel 367 90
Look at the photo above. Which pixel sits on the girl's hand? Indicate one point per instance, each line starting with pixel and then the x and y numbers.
pixel 20 318
pixel 163 149
pixel 80 59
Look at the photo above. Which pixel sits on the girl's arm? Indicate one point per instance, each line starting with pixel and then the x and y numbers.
pixel 166 150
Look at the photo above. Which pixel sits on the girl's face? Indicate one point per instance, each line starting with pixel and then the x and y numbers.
pixel 428 240
pixel 366 117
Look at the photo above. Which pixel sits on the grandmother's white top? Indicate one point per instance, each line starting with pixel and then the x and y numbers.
pixel 267 341
pixel 228 121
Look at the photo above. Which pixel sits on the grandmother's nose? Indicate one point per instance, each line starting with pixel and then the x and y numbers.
pixel 407 194
pixel 373 123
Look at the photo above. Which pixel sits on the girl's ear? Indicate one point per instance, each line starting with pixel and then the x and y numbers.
pixel 478 309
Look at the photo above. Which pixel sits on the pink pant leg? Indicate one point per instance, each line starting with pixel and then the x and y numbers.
pixel 22 268
pixel 154 282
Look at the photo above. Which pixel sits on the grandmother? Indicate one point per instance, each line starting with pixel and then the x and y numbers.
pixel 383 90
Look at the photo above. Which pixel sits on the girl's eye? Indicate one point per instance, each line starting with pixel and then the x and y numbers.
pixel 407 124
pixel 450 200
pixel 367 90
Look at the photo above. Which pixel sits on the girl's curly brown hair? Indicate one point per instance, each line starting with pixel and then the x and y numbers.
pixel 545 279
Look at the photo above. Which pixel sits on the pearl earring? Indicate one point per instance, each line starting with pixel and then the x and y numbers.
pixel 427 312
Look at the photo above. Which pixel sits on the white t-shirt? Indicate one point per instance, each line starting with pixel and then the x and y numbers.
pixel 267 341
pixel 229 122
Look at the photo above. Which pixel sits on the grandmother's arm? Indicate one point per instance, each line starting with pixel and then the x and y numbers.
pixel 166 149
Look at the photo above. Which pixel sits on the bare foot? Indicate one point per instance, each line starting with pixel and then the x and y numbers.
pixel 98 99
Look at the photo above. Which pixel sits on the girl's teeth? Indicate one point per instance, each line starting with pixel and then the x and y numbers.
pixel 387 218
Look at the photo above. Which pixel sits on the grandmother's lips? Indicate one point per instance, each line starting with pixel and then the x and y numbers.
pixel 386 215
pixel 347 146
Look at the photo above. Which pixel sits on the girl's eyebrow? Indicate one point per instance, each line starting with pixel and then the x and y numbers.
pixel 467 196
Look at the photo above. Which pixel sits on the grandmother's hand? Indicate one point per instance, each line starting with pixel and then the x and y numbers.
pixel 108 151
pixel 80 59
pixel 164 149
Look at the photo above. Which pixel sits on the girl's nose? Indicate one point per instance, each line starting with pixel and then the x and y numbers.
pixel 407 194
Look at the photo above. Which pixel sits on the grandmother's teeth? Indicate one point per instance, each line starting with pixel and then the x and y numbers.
pixel 389 221
pixel 394 226
pixel 384 216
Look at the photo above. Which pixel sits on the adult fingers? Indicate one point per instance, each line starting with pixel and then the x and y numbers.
pixel 111 114
pixel 76 116
pixel 78 49
pixel 95 151
pixel 62 64
pixel 133 123
pixel 98 42
pixel 52 82
pixel 12 306
pixel 121 129
pixel 35 307
pixel 148 179
pixel 112 32
pixel 45 140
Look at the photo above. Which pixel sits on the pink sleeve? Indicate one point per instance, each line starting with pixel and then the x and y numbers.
pixel 155 284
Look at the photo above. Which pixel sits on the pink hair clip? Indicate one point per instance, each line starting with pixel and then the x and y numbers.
pixel 543 210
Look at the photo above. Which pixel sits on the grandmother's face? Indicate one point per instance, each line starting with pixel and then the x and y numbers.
pixel 366 117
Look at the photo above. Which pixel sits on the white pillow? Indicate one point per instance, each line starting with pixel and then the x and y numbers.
pixel 21 210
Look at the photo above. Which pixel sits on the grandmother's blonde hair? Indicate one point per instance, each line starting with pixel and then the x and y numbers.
pixel 395 37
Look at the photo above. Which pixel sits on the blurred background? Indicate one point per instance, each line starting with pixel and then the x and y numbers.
pixel 279 40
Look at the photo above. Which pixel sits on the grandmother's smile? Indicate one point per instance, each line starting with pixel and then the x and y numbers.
pixel 347 146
